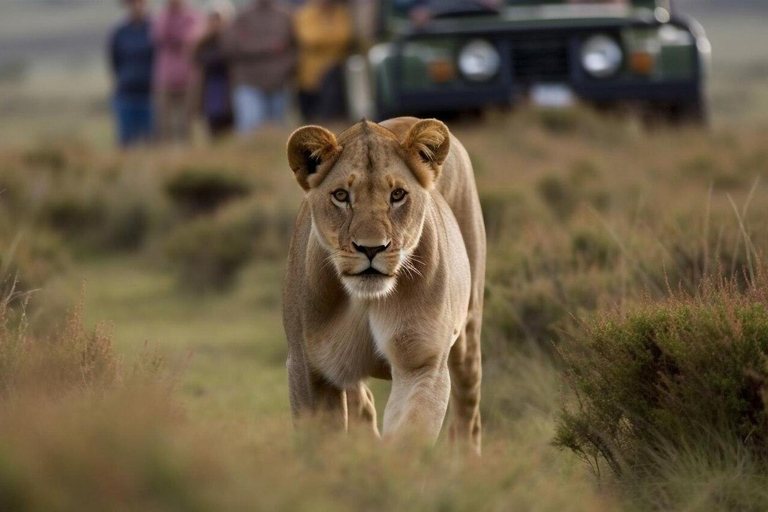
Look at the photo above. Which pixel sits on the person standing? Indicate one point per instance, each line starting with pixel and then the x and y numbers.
pixel 261 50
pixel 215 90
pixel 325 33
pixel 175 34
pixel 131 56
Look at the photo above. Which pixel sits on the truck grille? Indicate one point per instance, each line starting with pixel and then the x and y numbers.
pixel 537 59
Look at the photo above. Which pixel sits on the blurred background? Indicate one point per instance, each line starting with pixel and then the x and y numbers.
pixel 55 80
pixel 141 347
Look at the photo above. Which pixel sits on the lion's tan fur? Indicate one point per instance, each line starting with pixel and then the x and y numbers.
pixel 421 326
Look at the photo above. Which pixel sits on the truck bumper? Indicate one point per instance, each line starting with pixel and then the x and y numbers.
pixel 687 91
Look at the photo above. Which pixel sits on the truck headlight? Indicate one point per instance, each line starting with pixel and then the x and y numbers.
pixel 601 56
pixel 479 61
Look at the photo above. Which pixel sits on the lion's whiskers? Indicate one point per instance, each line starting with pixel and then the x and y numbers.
pixel 410 268
pixel 328 261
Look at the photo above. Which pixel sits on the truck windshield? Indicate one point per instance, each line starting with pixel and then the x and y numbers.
pixel 549 2
pixel 452 8
pixel 463 7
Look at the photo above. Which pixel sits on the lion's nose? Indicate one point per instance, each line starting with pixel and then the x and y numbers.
pixel 371 252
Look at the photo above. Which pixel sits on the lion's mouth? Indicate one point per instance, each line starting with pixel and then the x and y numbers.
pixel 371 272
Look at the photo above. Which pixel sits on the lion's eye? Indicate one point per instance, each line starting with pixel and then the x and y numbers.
pixel 398 195
pixel 341 195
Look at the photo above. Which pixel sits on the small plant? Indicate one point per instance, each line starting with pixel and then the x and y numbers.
pixel 558 121
pixel 503 212
pixel 31 256
pixel 559 195
pixel 592 248
pixel 209 253
pixel 199 191
pixel 72 359
pixel 531 314
pixel 668 377
pixel 103 221
pixel 46 157
pixel 73 214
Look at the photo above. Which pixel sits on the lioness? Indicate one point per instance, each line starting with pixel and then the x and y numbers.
pixel 385 278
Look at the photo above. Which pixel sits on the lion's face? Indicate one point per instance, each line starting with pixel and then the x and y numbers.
pixel 369 220
pixel 368 204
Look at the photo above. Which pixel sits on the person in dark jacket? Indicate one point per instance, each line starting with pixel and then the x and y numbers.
pixel 131 56
pixel 213 66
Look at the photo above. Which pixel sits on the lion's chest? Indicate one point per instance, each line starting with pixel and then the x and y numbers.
pixel 343 348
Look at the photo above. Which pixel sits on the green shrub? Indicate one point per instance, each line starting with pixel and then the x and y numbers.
pixel 102 221
pixel 126 224
pixel 559 195
pixel 703 166
pixel 583 123
pixel 503 212
pixel 560 121
pixel 199 191
pixel 528 314
pixel 585 171
pixel 31 257
pixel 73 214
pixel 46 157
pixel 688 373
pixel 208 253
pixel 592 248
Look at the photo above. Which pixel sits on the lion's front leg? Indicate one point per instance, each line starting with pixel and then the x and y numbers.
pixel 418 400
pixel 361 409
pixel 312 397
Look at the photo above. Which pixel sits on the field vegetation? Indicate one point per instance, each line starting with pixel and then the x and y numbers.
pixel 625 337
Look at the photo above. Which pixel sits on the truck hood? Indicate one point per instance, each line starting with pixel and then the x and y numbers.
pixel 542 16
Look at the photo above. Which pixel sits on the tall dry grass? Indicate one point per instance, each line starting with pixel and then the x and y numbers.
pixel 83 430
pixel 584 214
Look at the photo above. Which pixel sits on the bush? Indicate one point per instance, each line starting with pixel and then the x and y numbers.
pixel 503 212
pixel 200 191
pixel 531 314
pixel 592 248
pixel 687 374
pixel 559 195
pixel 210 251
pixel 103 221
pixel 47 157
pixel 31 257
pixel 81 430
pixel 73 214
pixel 72 360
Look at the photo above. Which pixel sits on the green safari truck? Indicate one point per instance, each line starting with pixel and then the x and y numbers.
pixel 470 56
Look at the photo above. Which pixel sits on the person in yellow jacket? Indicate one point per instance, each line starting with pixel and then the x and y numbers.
pixel 324 33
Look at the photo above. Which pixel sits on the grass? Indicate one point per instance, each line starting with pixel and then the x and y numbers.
pixel 231 346
pixel 231 448
pixel 586 214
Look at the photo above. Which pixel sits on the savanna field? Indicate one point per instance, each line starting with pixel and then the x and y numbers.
pixel 625 336
pixel 625 341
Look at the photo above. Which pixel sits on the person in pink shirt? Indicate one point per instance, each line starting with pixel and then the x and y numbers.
pixel 175 32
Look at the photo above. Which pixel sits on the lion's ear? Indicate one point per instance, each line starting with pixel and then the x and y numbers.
pixel 427 146
pixel 312 150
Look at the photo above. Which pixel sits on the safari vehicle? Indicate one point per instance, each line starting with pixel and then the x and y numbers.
pixel 554 53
